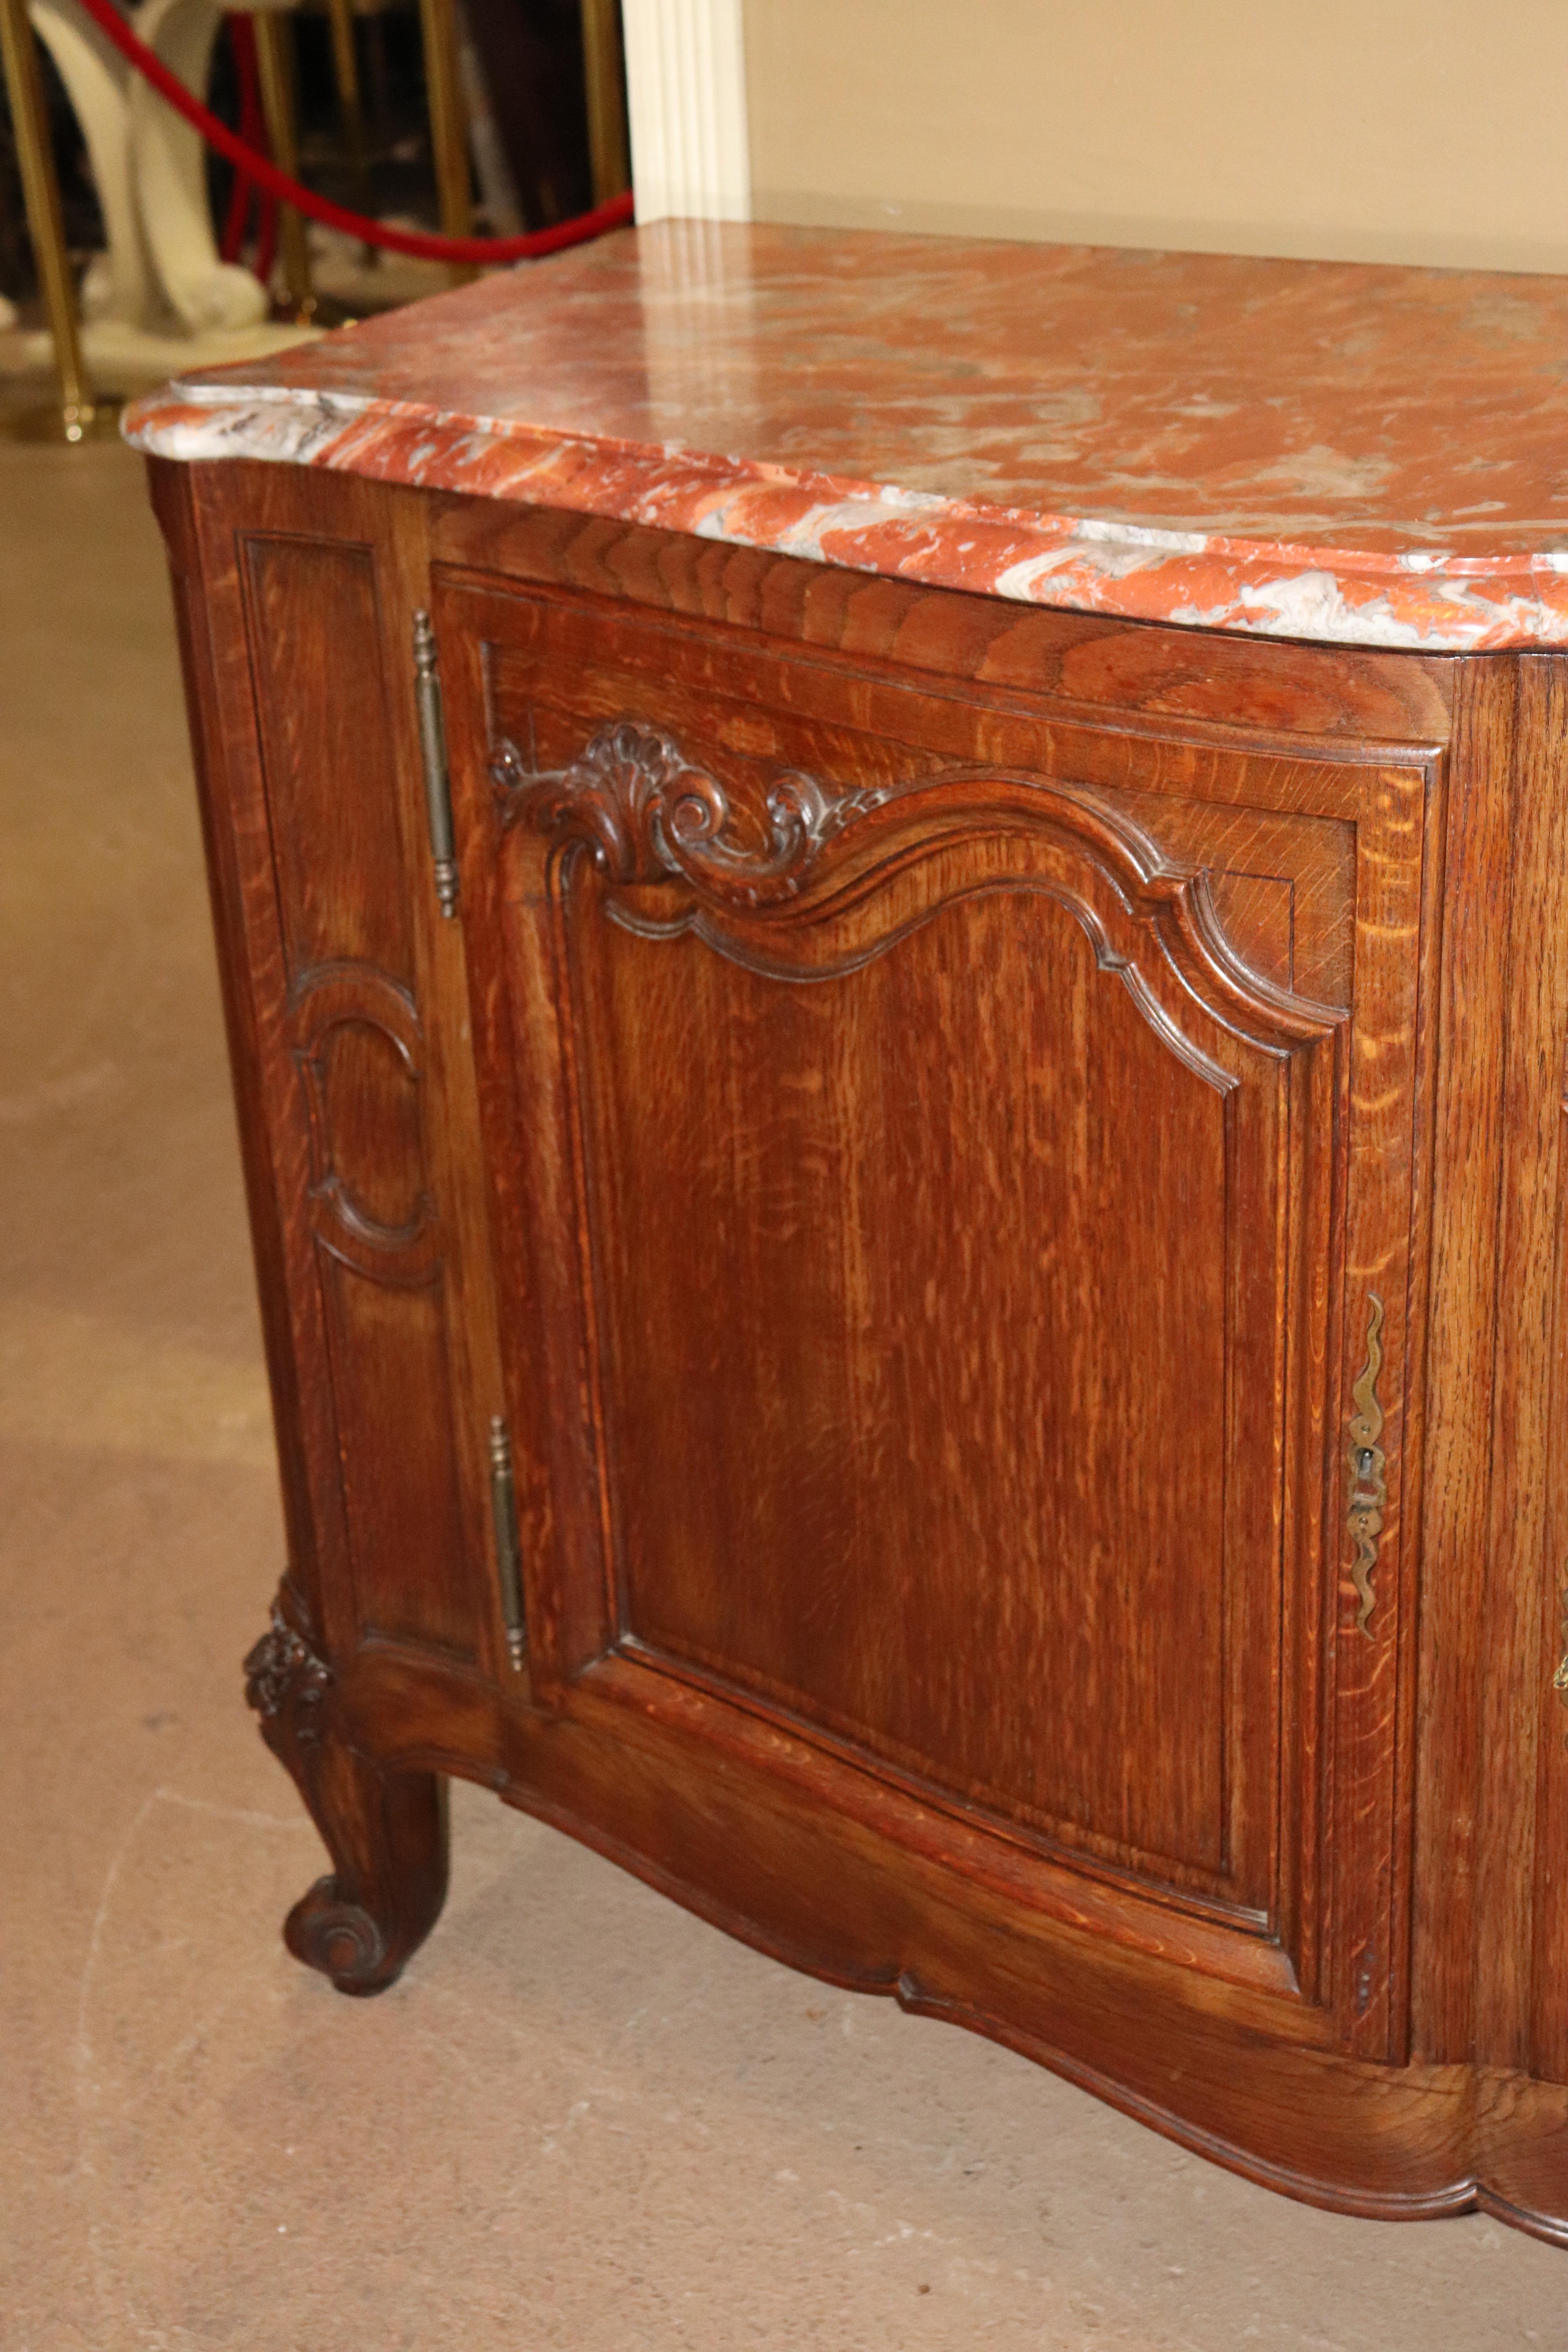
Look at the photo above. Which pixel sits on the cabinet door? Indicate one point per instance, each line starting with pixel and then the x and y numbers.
pixel 954 1168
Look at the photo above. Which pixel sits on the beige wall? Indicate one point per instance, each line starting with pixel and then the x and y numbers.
pixel 1430 131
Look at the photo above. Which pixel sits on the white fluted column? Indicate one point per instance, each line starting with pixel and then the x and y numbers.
pixel 686 90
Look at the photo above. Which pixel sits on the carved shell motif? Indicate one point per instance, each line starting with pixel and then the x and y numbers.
pixel 647 811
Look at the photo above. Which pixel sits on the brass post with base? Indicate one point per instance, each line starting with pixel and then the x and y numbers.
pixel 448 125
pixel 345 73
pixel 274 68
pixel 76 415
pixel 602 74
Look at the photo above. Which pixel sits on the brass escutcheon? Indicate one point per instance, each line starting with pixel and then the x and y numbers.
pixel 1368 1463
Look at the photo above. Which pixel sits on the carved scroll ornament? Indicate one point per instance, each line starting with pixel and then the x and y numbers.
pixel 647 812
pixel 283 1677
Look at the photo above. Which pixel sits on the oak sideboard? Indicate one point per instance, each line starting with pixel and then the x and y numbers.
pixel 894 918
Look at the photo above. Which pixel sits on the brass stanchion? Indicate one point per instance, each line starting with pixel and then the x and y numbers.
pixel 273 68
pixel 606 103
pixel 448 129
pixel 345 73
pixel 41 194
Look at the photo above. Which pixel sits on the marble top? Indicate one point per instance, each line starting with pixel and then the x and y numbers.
pixel 1366 456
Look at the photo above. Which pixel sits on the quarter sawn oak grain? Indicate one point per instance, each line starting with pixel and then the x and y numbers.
pixel 930 1122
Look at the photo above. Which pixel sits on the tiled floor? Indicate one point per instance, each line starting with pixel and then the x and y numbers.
pixel 583 2120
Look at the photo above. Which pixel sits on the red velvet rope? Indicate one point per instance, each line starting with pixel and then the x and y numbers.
pixel 266 175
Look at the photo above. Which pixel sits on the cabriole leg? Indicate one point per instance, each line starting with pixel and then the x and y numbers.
pixel 386 1831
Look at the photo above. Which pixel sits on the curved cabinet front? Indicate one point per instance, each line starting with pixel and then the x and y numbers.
pixel 924 1296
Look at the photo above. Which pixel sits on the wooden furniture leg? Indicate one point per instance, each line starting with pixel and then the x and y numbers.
pixel 386 1831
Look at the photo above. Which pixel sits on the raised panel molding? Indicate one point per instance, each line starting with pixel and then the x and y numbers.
pixel 325 1004
pixel 647 812
pixel 314 618
pixel 791 880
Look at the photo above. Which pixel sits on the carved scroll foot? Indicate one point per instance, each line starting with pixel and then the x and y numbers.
pixel 386 1831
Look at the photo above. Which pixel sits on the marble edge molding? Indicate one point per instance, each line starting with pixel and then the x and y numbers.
pixel 1422 600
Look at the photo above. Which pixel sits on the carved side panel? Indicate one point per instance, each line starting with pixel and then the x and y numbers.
pixel 355 1127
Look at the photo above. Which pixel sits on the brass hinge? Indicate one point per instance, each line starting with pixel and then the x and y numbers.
pixel 433 746
pixel 508 1550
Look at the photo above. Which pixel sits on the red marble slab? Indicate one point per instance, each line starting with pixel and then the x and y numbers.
pixel 1303 449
